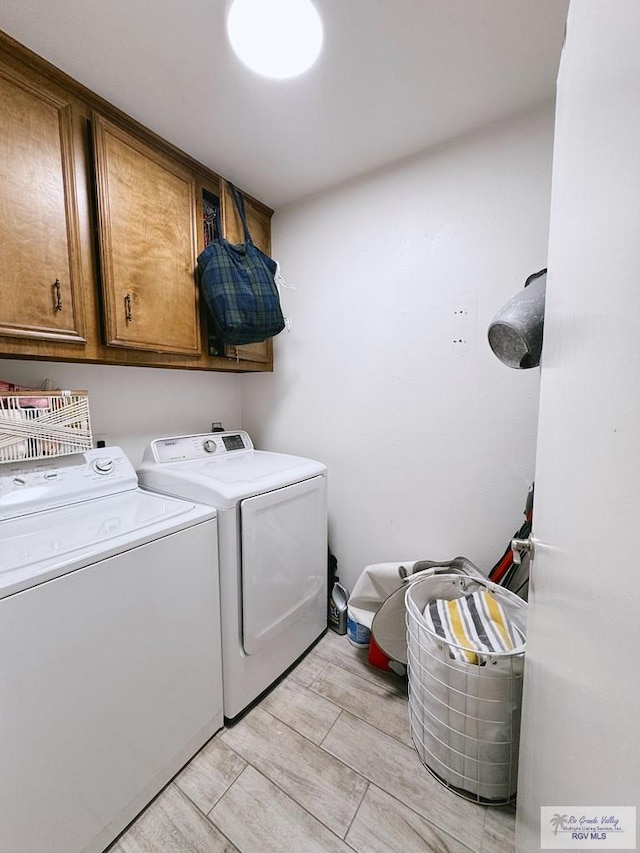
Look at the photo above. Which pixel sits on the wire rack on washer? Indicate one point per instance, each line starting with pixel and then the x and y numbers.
pixel 41 424
pixel 465 717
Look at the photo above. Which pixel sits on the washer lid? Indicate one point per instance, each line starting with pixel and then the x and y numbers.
pixel 225 480
pixel 43 545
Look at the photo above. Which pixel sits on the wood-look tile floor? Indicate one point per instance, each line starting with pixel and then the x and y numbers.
pixel 324 763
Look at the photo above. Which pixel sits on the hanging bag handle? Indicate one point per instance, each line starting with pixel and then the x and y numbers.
pixel 239 203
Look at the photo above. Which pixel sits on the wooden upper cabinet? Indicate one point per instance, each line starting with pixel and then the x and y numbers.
pixel 101 222
pixel 40 264
pixel 147 243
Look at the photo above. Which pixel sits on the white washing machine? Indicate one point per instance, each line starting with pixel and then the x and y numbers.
pixel 110 669
pixel 272 529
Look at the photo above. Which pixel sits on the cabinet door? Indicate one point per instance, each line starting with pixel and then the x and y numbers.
pixel 146 217
pixel 40 268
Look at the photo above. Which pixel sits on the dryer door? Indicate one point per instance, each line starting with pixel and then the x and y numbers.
pixel 284 560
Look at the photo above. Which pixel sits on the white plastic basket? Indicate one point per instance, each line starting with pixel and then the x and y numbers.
pixel 41 424
pixel 465 718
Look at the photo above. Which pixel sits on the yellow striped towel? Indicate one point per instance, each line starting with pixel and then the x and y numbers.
pixel 477 622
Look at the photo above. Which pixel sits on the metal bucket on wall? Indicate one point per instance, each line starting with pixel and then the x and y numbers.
pixel 515 333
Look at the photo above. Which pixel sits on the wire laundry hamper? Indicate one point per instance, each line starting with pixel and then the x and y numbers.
pixel 41 424
pixel 465 717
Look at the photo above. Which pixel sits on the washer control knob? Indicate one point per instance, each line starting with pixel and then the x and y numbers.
pixel 209 446
pixel 103 466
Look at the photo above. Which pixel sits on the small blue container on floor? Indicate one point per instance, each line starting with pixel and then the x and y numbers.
pixel 357 634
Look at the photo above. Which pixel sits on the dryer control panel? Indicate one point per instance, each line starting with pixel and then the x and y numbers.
pixel 185 448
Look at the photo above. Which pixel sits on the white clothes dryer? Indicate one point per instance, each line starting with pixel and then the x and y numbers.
pixel 111 667
pixel 272 531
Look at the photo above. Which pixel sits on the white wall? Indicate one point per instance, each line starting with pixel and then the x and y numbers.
pixel 429 442
pixel 134 405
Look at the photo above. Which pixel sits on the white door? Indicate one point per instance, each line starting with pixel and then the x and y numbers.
pixel 581 720
pixel 284 561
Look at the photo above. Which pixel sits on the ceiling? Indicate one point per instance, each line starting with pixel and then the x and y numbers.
pixel 395 78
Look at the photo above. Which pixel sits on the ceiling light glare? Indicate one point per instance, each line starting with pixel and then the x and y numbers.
pixel 276 38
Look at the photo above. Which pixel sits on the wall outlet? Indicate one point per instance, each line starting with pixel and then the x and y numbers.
pixel 100 439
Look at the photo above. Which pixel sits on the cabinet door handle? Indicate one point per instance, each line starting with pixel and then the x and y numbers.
pixel 128 316
pixel 57 295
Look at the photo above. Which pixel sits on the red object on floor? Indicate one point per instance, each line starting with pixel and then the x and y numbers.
pixel 377 657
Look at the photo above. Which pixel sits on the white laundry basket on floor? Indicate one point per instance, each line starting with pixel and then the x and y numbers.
pixel 465 717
